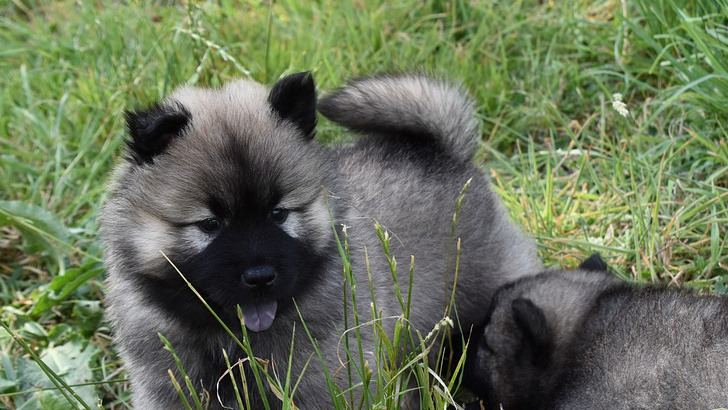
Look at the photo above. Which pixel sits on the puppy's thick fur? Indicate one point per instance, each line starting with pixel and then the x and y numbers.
pixel 230 184
pixel 582 339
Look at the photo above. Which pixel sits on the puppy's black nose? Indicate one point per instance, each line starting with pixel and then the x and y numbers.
pixel 259 275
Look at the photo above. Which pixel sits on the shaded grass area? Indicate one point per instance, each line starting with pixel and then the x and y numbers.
pixel 648 190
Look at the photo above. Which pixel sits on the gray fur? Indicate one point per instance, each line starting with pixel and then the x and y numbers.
pixel 417 106
pixel 614 346
pixel 405 184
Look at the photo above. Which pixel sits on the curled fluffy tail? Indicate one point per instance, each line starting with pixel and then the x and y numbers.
pixel 421 108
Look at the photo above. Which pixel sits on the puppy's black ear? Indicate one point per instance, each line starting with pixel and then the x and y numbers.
pixel 594 263
pixel 152 130
pixel 294 99
pixel 537 336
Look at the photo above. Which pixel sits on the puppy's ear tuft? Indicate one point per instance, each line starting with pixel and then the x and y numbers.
pixel 537 335
pixel 594 263
pixel 153 128
pixel 293 98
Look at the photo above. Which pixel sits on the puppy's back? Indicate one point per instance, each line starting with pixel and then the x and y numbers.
pixel 649 348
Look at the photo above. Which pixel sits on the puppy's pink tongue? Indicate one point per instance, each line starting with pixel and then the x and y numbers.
pixel 259 316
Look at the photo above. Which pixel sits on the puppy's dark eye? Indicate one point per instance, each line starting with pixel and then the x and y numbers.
pixel 279 215
pixel 209 225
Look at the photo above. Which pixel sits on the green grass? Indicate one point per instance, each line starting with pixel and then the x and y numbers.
pixel 649 190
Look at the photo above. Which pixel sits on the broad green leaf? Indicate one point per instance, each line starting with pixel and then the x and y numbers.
pixel 64 284
pixel 71 361
pixel 42 231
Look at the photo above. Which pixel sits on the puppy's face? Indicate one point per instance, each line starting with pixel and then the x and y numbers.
pixel 229 185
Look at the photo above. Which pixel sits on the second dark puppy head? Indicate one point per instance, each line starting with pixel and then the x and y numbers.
pixel 519 356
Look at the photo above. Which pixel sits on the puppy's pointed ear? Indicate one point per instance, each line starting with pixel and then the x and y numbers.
pixel 294 99
pixel 537 336
pixel 152 130
pixel 594 263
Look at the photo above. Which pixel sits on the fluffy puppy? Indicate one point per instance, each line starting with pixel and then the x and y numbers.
pixel 578 339
pixel 230 184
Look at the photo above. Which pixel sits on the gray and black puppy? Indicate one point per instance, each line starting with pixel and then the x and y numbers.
pixel 578 339
pixel 230 184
